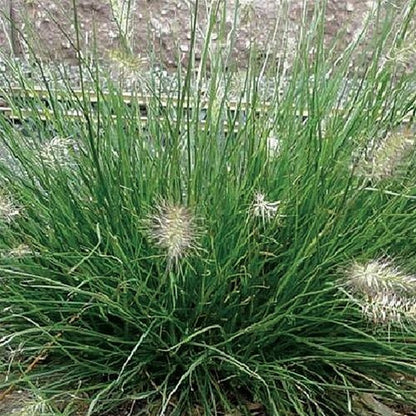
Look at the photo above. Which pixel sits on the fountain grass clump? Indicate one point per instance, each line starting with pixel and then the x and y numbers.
pixel 188 268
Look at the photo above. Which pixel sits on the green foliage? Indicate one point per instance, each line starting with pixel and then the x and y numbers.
pixel 180 263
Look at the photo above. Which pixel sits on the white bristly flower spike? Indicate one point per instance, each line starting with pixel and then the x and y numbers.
pixel 172 227
pixel 388 308
pixel 264 209
pixel 385 294
pixel 21 250
pixel 57 151
pixel 379 276
pixel 8 209
pixel 387 156
pixel 273 146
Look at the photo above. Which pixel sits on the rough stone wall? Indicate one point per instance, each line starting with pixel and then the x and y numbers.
pixel 164 26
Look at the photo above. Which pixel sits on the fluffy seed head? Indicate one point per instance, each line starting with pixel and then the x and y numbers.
pixel 57 152
pixel 406 53
pixel 264 209
pixel 21 250
pixel 384 293
pixel 125 66
pixel 387 308
pixel 29 404
pixel 273 146
pixel 8 209
pixel 379 276
pixel 173 229
pixel 386 157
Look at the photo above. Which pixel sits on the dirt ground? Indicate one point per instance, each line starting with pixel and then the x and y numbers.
pixel 164 26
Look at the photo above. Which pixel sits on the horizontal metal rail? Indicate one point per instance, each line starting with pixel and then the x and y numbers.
pixel 46 115
pixel 141 101
pixel 236 112
pixel 21 104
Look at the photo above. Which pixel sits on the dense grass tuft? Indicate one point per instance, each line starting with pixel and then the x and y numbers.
pixel 204 266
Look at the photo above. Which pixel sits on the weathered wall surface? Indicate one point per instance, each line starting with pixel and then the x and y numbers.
pixel 163 25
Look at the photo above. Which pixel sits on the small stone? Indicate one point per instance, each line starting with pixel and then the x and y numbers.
pixel 166 29
pixel 184 48
pixel 155 24
pixel 349 6
pixel 159 27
